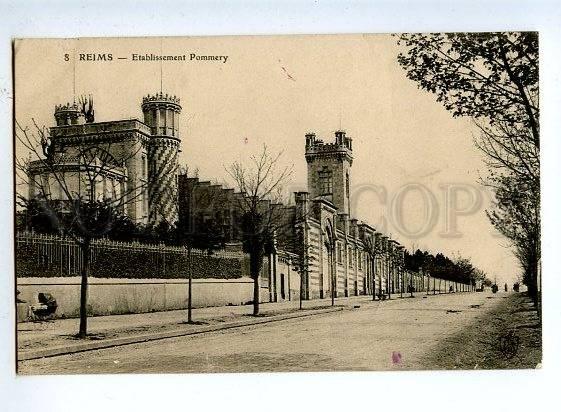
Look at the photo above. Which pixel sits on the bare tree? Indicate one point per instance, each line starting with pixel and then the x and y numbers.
pixel 78 209
pixel 261 207
pixel 494 79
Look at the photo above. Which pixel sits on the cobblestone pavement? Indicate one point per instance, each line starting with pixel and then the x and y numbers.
pixel 387 335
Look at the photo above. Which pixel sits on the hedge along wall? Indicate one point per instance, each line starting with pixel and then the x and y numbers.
pixel 52 256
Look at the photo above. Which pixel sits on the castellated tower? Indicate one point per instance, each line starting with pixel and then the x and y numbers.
pixel 161 114
pixel 68 114
pixel 329 169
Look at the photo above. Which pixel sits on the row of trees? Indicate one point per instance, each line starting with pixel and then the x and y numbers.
pixel 493 78
pixel 440 266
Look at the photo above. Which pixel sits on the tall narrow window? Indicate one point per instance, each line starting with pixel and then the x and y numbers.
pixel 326 182
pixel 340 253
pixel 348 185
pixel 163 122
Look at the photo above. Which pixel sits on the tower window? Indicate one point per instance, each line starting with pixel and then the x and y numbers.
pixel 162 124
pixel 347 185
pixel 325 182
pixel 339 253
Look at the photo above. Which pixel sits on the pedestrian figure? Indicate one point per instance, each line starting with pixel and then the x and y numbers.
pixel 45 309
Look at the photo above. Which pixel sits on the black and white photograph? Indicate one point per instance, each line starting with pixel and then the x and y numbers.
pixel 277 203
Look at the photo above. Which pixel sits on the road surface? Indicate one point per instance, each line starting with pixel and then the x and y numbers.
pixel 396 334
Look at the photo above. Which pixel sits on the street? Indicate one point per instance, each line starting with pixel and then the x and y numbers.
pixel 396 334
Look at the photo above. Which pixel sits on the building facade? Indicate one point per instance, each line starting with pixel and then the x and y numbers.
pixel 345 257
pixel 130 162
pixel 135 163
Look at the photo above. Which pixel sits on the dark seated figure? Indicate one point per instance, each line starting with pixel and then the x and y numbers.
pixel 47 306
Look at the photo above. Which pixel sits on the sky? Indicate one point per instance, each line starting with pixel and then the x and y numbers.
pixel 413 163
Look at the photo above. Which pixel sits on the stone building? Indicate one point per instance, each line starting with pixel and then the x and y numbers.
pixel 346 257
pixel 138 160
pixel 131 161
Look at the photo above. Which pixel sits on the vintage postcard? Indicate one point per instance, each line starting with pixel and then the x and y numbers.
pixel 277 203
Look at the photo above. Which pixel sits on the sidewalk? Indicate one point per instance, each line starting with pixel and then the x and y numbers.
pixel 53 338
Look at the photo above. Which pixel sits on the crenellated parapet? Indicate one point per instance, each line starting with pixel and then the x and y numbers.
pixel 341 148
pixel 68 114
pixel 161 114
pixel 161 98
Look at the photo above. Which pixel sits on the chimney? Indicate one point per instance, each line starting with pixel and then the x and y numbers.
pixel 340 137
pixel 310 139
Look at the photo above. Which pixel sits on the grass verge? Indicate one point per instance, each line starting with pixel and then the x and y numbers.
pixel 507 337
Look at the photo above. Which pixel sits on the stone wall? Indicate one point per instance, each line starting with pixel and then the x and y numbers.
pixel 122 296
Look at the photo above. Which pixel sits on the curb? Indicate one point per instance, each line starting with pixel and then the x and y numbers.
pixel 129 340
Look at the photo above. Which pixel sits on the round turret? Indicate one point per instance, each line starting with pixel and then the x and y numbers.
pixel 68 114
pixel 161 113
